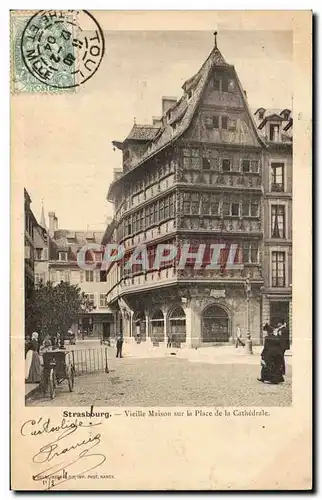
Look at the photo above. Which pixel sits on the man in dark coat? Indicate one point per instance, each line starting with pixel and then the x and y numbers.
pixel 285 339
pixel 119 345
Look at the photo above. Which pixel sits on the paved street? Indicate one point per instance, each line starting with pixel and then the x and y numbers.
pixel 171 381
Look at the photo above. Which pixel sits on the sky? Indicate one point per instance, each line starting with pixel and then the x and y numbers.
pixel 63 141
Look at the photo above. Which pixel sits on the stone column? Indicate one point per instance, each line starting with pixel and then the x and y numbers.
pixel 128 327
pixel 147 333
pixel 188 314
pixel 147 326
pixel 165 327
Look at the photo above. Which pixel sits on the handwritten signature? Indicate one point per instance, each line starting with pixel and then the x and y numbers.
pixel 79 451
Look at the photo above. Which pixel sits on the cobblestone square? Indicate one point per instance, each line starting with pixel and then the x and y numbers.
pixel 170 381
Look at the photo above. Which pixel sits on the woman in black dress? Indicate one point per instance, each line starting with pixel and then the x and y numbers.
pixel 33 366
pixel 272 358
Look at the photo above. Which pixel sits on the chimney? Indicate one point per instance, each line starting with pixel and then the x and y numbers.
pixel 55 223
pixel 168 103
pixel 157 121
pixel 51 217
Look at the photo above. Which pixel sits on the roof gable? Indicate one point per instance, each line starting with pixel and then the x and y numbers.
pixel 180 118
pixel 273 118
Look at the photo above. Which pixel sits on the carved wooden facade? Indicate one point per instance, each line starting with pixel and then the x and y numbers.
pixel 199 180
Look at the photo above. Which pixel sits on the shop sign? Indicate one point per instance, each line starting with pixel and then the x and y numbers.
pixel 217 293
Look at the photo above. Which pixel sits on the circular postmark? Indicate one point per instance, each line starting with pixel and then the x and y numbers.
pixel 62 49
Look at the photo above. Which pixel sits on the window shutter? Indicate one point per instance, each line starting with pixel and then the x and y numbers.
pixel 81 277
pixel 97 276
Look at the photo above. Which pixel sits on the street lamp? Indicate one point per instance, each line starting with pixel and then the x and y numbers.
pixel 249 344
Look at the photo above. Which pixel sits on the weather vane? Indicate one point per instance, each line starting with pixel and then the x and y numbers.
pixel 215 34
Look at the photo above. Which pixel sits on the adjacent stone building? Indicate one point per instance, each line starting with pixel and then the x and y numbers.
pixel 276 128
pixel 63 266
pixel 30 224
pixel 41 251
pixel 194 176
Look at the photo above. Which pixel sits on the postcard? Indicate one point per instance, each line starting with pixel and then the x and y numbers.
pixel 161 334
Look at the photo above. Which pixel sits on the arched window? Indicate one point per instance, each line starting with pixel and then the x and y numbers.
pixel 177 320
pixel 139 326
pixel 157 315
pixel 215 325
pixel 157 326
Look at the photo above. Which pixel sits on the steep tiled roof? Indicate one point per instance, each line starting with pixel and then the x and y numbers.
pixel 71 241
pixel 185 108
pixel 182 113
pixel 142 132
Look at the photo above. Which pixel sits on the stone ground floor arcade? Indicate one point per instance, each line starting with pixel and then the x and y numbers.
pixel 192 316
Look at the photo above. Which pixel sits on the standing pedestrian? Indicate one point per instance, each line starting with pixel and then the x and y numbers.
pixel 284 334
pixel 119 345
pixel 239 336
pixel 272 359
pixel 33 365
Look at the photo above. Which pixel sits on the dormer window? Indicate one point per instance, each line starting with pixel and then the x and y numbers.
pixel 222 82
pixel 62 256
pixel 217 83
pixel 274 132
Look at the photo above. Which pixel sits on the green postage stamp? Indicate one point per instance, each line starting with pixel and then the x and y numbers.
pixel 51 52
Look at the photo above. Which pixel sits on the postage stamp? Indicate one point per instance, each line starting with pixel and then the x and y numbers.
pixel 54 50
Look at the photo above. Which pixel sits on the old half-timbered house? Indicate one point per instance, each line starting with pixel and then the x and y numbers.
pixel 192 177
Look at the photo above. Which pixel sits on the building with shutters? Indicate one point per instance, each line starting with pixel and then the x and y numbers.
pixel 194 176
pixel 276 129
pixel 63 266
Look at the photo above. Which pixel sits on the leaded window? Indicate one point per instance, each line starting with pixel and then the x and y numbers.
pixel 278 269
pixel 278 221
